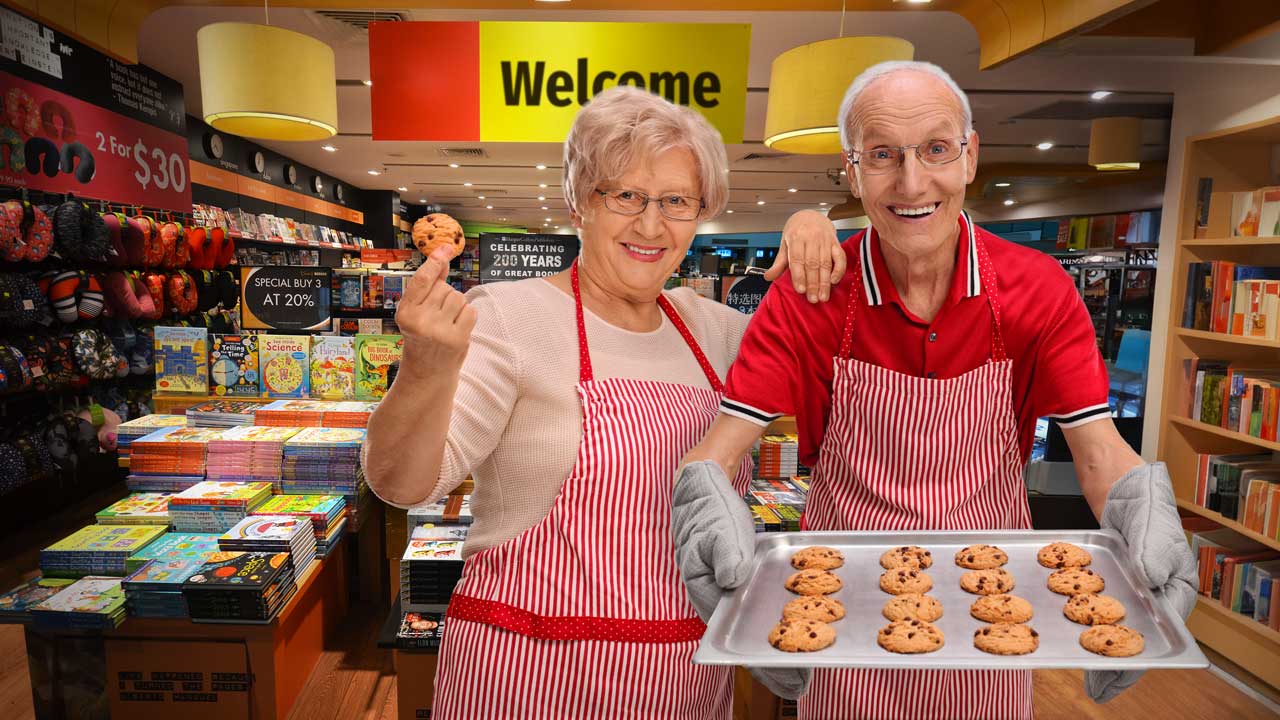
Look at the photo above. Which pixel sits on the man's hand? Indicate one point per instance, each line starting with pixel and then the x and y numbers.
pixel 812 250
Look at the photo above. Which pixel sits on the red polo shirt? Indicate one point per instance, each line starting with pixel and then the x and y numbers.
pixel 784 365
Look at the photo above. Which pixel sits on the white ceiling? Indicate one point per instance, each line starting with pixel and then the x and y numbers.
pixel 1065 71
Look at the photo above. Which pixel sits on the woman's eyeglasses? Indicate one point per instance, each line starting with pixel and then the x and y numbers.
pixel 634 202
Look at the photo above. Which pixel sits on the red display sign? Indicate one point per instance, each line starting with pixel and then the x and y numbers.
pixel 54 142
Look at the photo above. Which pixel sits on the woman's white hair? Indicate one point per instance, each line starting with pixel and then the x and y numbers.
pixel 875 72
pixel 623 126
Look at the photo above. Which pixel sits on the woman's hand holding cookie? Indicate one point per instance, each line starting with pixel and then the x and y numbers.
pixel 434 319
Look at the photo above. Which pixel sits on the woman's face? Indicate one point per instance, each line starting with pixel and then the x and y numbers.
pixel 633 255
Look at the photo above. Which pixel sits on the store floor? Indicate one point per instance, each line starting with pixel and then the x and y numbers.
pixel 354 680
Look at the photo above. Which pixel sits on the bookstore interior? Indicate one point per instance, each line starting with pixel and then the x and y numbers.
pixel 221 229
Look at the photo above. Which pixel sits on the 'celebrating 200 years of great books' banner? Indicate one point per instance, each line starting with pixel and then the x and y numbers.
pixel 516 257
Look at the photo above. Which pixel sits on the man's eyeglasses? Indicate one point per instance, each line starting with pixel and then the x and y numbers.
pixel 634 202
pixel 884 159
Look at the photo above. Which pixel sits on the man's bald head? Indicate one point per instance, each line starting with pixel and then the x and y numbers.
pixel 850 135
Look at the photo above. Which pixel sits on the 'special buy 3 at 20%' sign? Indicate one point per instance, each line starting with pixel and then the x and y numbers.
pixel 285 298
pixel 525 81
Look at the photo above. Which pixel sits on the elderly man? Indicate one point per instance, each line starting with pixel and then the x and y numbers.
pixel 916 390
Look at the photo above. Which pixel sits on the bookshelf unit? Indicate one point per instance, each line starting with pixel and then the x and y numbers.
pixel 1237 159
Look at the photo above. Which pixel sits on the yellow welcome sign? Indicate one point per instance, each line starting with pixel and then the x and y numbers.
pixel 533 77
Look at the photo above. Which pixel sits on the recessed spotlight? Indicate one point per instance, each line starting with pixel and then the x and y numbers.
pixel 1010 201
pixel 1003 184
pixel 792 190
pixel 557 227
pixel 544 207
pixel 842 172
pixel 488 207
pixel 454 165
pixel 546 224
pixel 422 200
pixel 1100 95
pixel 503 219
pixel 542 197
pixel 374 172
pixel 548 219
pixel 823 204
pixel 759 202
pixel 729 212
pixel 367 83
pixel 480 197
pixel 328 148
pixel 539 166
pixel 542 185
pixel 403 189
pixel 466 184
pixel 1046 145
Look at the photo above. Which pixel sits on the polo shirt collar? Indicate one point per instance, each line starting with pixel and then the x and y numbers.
pixel 876 284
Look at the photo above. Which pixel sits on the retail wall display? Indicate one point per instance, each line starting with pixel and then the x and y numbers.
pixel 1243 213
pixel 237 223
pixel 286 372
pixel 1101 232
pixel 525 81
pixel 1234 396
pixel 233 365
pixel 1225 297
pixel 77 121
pixel 285 298
pixel 375 354
pixel 516 257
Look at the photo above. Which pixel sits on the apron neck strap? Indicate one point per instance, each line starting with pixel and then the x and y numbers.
pixel 585 372
pixel 985 271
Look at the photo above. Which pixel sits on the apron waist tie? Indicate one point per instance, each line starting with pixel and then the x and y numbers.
pixel 573 627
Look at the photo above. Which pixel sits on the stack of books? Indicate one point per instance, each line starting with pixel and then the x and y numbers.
pixel 90 603
pixel 292 413
pixel 429 570
pixel 449 510
pixel 777 503
pixel 222 413
pixel 155 589
pixel 175 546
pixel 149 508
pixel 349 414
pixel 170 459
pixel 15 605
pixel 420 631
pixel 215 506
pixel 324 461
pixel 779 456
pixel 96 550
pixel 131 430
pixel 240 587
pixel 327 514
pixel 248 454
pixel 274 534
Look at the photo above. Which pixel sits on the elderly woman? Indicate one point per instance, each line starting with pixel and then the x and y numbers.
pixel 570 399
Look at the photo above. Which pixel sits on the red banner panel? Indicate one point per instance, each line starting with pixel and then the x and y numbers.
pixel 426 80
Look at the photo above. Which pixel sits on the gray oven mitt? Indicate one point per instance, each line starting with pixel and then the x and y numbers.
pixel 1140 506
pixel 715 545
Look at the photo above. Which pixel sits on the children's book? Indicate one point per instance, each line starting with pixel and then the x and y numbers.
pixel 285 370
pixel 333 369
pixel 374 356
pixel 182 360
pixel 233 365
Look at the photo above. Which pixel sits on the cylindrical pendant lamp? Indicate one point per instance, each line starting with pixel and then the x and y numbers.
pixel 808 83
pixel 266 82
pixel 1115 143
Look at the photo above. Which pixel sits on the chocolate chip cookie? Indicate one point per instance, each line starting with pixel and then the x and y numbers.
pixel 910 637
pixel 908 556
pixel 802 635
pixel 994 581
pixel 1112 640
pixel 813 582
pixel 1001 609
pixel 1006 639
pixel 1076 581
pixel 981 557
pixel 817 557
pixel 1094 610
pixel 905 580
pixel 1062 555
pixel 913 606
pixel 815 607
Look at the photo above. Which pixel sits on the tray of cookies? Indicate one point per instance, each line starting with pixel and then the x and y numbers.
pixel 1000 599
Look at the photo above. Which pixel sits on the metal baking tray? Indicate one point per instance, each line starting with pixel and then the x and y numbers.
pixel 738 631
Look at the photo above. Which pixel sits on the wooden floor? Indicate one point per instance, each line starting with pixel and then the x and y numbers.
pixel 355 681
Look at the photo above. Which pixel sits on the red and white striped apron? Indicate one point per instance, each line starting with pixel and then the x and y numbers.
pixel 584 615
pixel 911 453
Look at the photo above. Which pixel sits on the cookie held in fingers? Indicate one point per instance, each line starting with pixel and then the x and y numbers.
pixel 1062 555
pixel 905 580
pixel 814 607
pixel 817 557
pixel 813 582
pixel 912 606
pixel 908 556
pixel 994 581
pixel 1093 609
pixel 981 557
pixel 1006 639
pixel 1001 609
pixel 910 637
pixel 802 635
pixel 1076 581
pixel 1112 640
pixel 437 230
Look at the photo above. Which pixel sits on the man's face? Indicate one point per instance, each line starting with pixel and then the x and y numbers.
pixel 909 108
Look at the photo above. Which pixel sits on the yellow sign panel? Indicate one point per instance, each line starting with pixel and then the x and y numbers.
pixel 534 77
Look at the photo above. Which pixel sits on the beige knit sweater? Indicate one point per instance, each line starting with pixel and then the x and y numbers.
pixel 517 418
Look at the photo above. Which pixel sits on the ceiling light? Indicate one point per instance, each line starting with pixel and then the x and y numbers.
pixel 1115 143
pixel 488 207
pixel 919 2
pixel 422 200
pixel 544 207
pixel 328 148
pixel 480 197
pixel 1100 95
pixel 542 185
pixel 759 202
pixel 1003 184
pixel 503 219
pixel 1046 145
pixel 792 190
pixel 842 172
pixel 453 165
pixel 367 83
pixel 729 211
pixel 822 204
pixel 548 219
pixel 374 172
pixel 466 184
pixel 542 197
pixel 403 189
pixel 539 166
pixel 1009 201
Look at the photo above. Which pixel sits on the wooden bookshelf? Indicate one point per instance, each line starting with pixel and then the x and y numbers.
pixel 1237 159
